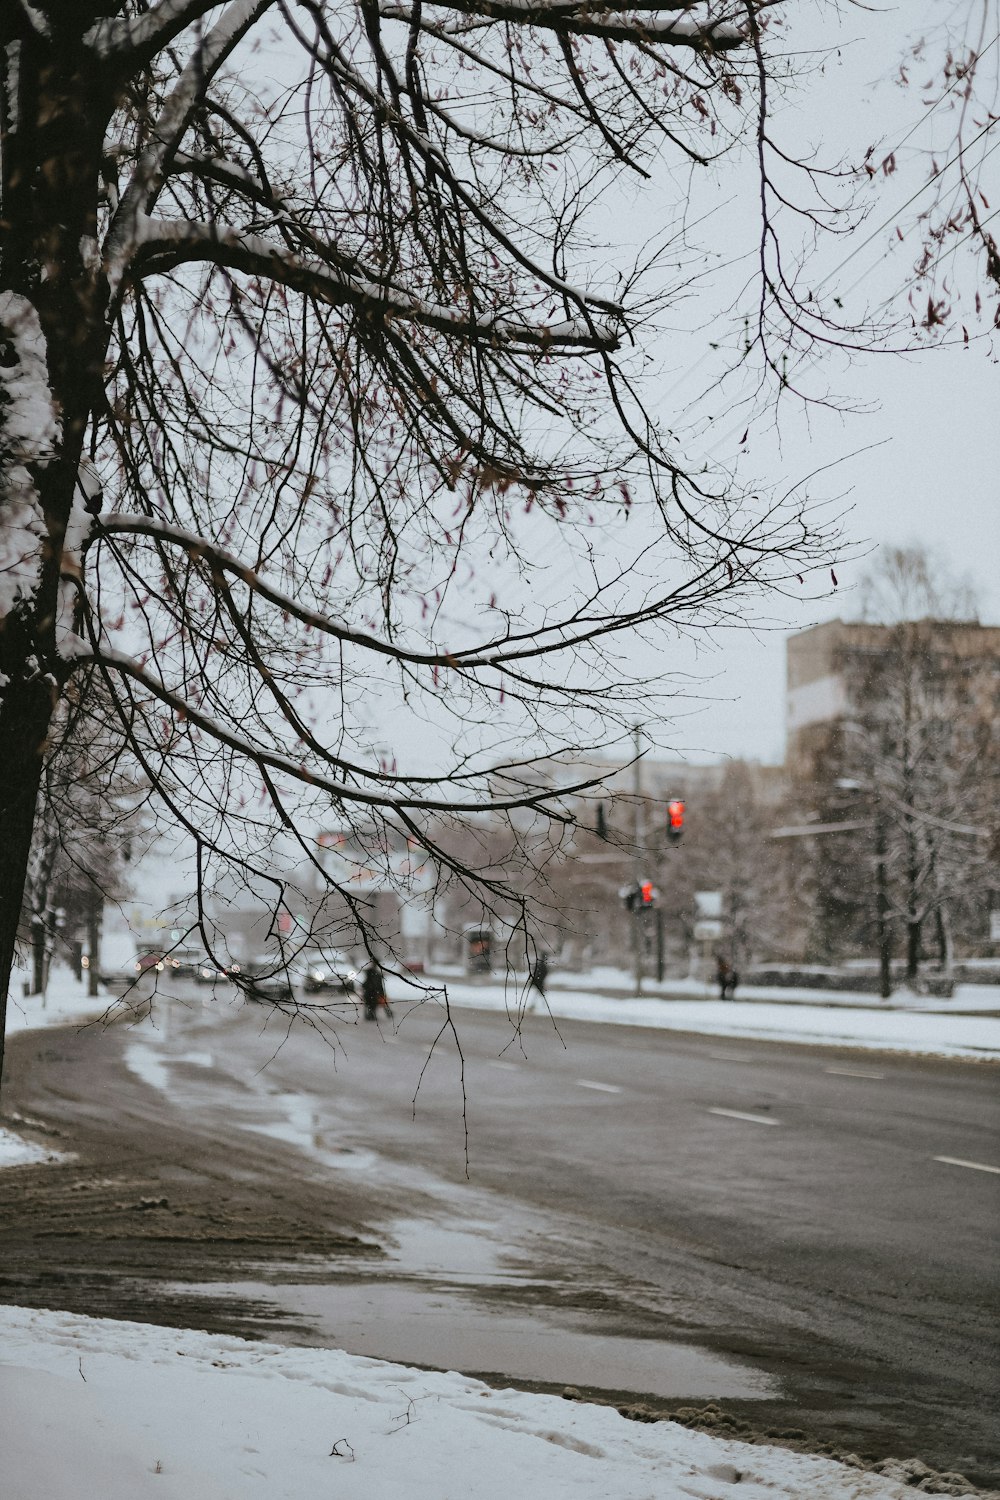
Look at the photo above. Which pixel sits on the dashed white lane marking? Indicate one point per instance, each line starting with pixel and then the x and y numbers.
pixel 975 1166
pixel 498 1062
pixel 605 1088
pixel 736 1057
pixel 738 1114
pixel 853 1073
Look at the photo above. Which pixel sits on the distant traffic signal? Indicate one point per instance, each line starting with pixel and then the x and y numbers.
pixel 675 820
pixel 638 897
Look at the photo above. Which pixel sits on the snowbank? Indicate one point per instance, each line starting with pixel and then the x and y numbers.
pixel 123 1410
pixel 916 1029
pixel 65 1001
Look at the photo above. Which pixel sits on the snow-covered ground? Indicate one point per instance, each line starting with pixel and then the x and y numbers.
pixel 64 1003
pixel 91 1407
pixel 960 1027
pixel 124 1410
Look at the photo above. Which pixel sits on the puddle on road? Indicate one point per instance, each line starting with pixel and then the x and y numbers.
pixel 418 1325
pixel 418 1306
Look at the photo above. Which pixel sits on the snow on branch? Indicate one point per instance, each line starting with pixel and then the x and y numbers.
pixel 588 20
pixel 168 131
pixel 144 35
pixel 160 244
pixel 38 22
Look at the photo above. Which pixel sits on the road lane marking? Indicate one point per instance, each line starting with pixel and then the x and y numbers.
pixel 605 1088
pixel 498 1062
pixel 853 1073
pixel 736 1057
pixel 975 1166
pixel 738 1114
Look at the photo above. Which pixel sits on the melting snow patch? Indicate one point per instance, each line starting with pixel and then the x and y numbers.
pixel 17 1152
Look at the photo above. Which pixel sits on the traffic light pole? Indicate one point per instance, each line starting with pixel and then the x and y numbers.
pixel 638 915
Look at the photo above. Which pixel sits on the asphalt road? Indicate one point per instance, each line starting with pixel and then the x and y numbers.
pixel 819 1216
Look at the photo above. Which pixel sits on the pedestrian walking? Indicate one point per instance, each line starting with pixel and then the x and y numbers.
pixel 722 973
pixel 373 991
pixel 539 973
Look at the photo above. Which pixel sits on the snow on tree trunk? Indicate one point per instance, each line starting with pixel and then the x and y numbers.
pixel 29 433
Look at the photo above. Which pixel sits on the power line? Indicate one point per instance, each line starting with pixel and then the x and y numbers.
pixel 912 199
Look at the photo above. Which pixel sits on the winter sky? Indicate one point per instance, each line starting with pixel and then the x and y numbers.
pixel 924 436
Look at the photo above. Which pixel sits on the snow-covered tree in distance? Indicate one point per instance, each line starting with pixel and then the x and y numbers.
pixel 918 756
pixel 316 383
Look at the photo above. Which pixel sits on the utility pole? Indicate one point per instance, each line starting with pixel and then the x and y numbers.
pixel 638 915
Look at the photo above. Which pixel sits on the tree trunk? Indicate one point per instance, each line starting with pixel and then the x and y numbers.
pixel 945 955
pixel 39 943
pixel 913 927
pixel 94 922
pixel 21 735
pixel 54 105
pixel 883 926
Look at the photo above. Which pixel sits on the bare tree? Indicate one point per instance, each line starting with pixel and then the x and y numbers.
pixel 917 756
pixel 88 819
pixel 312 367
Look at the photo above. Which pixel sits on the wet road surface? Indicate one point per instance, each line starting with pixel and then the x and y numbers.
pixel 804 1237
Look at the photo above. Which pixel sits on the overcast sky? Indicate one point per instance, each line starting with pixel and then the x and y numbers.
pixel 912 458
pixel 933 428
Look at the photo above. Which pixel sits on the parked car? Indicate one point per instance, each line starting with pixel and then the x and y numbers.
pixel 263 978
pixel 209 972
pixel 149 958
pixel 183 963
pixel 325 971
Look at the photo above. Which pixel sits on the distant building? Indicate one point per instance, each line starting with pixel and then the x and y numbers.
pixel 819 674
pixel 893 734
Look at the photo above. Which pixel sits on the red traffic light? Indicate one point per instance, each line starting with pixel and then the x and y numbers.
pixel 647 891
pixel 675 820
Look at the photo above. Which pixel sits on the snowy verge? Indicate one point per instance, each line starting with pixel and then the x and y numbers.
pixel 124 1410
pixel 65 1001
pixel 933 1033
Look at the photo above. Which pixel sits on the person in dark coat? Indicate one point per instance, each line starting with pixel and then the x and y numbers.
pixel 722 974
pixel 539 974
pixel 373 990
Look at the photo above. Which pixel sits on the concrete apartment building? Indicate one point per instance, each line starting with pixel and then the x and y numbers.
pixel 819 675
pixel 920 700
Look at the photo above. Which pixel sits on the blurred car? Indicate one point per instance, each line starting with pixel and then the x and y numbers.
pixel 263 978
pixel 183 963
pixel 209 972
pixel 325 972
pixel 149 958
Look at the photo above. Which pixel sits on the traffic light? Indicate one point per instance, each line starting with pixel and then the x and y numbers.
pixel 675 820
pixel 647 892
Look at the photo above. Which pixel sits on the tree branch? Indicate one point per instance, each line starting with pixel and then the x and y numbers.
pixel 162 244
